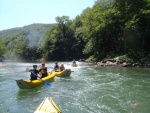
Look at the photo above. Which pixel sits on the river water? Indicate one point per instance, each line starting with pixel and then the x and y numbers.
pixel 89 89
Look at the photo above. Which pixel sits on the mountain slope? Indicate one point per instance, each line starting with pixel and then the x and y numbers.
pixel 33 33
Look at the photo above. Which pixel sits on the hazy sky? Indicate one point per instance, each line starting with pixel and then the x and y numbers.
pixel 18 13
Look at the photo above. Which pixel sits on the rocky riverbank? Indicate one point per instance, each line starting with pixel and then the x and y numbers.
pixel 122 63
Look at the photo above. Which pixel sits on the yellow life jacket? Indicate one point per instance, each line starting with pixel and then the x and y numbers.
pixel 43 70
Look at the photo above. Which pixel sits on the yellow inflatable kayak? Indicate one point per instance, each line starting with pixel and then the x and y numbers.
pixel 48 106
pixel 28 84
pixel 64 73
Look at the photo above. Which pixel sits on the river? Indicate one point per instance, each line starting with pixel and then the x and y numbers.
pixel 89 89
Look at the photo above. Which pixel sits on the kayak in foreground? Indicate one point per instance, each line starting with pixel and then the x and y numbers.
pixel 28 84
pixel 64 73
pixel 48 106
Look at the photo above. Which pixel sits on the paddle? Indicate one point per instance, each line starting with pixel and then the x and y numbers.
pixel 72 71
pixel 45 82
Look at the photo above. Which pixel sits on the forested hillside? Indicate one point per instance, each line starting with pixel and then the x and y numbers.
pixel 110 28
pixel 18 41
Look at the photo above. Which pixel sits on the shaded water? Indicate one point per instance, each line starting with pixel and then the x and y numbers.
pixel 89 89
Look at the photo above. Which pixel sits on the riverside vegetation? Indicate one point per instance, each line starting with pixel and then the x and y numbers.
pixel 110 29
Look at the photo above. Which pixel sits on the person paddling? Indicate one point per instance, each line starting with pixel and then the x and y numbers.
pixel 34 73
pixel 74 62
pixel 56 67
pixel 62 67
pixel 43 70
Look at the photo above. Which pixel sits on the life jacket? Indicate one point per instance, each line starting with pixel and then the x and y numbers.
pixel 34 74
pixel 43 70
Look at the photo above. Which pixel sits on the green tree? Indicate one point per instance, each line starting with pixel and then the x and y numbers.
pixel 2 48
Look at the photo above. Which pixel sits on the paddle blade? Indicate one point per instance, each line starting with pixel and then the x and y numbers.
pixel 72 71
pixel 47 83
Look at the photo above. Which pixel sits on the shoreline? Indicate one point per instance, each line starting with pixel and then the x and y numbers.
pixel 120 63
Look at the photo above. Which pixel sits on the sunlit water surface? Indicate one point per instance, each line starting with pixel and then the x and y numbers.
pixel 89 89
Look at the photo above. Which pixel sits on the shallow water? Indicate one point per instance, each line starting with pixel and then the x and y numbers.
pixel 89 89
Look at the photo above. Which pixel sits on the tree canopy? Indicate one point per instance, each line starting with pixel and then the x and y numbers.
pixel 108 29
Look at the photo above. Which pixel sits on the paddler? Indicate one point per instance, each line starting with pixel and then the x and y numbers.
pixel 34 72
pixel 43 70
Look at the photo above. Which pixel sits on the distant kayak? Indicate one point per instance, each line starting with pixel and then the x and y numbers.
pixel 28 84
pixel 74 65
pixel 64 73
pixel 48 106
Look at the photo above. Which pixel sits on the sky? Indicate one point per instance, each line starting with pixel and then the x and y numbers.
pixel 19 13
